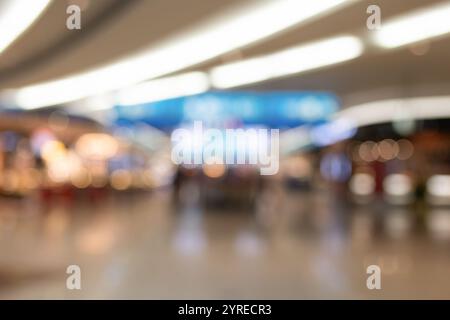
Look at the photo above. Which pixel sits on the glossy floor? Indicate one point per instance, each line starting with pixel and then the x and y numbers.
pixel 291 245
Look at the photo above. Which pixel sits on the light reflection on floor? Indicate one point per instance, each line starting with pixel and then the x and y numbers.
pixel 293 245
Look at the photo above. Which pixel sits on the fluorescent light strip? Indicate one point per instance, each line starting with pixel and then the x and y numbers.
pixel 290 61
pixel 166 88
pixel 386 111
pixel 417 26
pixel 257 21
pixel 377 112
pixel 16 16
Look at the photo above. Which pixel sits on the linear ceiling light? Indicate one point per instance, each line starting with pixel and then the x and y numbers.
pixel 15 18
pixel 386 111
pixel 289 61
pixel 257 21
pixel 417 26
pixel 166 88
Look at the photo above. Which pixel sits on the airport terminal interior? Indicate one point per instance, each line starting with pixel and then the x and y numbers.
pixel 210 149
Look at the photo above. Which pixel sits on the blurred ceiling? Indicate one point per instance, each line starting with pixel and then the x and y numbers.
pixel 112 29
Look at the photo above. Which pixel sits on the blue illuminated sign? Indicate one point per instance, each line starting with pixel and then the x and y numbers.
pixel 271 109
